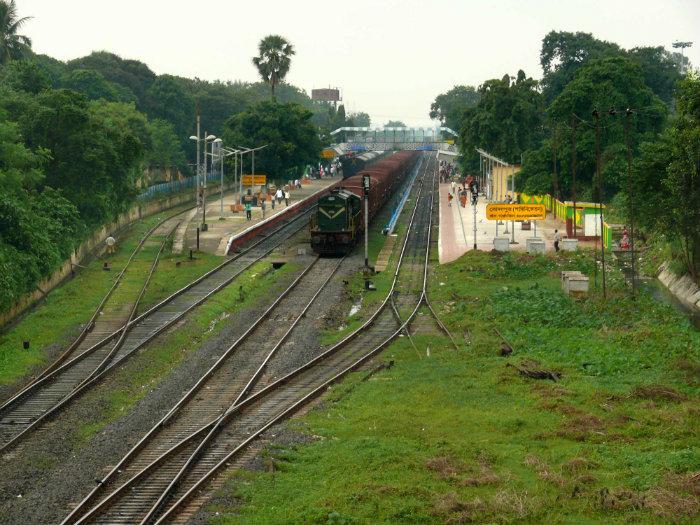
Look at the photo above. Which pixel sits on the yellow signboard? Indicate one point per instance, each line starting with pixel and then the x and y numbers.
pixel 254 180
pixel 328 153
pixel 515 212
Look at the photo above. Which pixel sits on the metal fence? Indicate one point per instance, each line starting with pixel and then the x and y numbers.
pixel 174 186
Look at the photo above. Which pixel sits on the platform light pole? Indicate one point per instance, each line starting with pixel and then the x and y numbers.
pixel 199 139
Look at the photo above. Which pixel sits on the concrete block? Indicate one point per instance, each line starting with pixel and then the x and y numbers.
pixel 577 285
pixel 569 245
pixel 565 276
pixel 529 240
pixel 536 247
pixel 501 244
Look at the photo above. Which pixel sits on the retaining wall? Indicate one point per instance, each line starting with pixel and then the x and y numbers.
pixel 683 287
pixel 92 246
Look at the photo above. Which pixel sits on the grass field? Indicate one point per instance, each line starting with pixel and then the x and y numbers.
pixel 461 436
pixel 57 319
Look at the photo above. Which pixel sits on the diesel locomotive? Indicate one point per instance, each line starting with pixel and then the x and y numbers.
pixel 338 223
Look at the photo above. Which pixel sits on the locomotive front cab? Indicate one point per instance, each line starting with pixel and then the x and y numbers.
pixel 333 230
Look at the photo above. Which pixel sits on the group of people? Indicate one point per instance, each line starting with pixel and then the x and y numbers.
pixel 470 188
pixel 447 171
pixel 328 170
pixel 279 195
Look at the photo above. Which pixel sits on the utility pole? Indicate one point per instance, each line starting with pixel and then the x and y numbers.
pixel 574 124
pixel 555 178
pixel 596 115
pixel 204 186
pixel 630 197
pixel 512 223
pixel 196 189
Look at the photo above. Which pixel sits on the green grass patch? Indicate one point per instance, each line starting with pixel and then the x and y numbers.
pixel 140 376
pixel 462 437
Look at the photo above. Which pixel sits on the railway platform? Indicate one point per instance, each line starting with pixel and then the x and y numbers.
pixel 457 229
pixel 222 226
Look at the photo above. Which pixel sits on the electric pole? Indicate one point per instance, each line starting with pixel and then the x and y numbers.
pixel 596 115
pixel 630 198
pixel 574 123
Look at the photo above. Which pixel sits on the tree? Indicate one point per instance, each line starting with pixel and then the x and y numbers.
pixel 507 120
pixel 660 69
pixel 95 86
pixel 292 140
pixel 563 53
pixel 133 76
pixel 165 150
pixel 273 60
pixel 614 82
pixel 394 124
pixel 25 75
pixel 360 120
pixel 449 107
pixel 12 45
pixel 667 179
pixel 168 100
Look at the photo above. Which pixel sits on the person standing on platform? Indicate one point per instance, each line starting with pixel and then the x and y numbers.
pixel 557 240
pixel 453 185
pixel 286 197
pixel 279 195
pixel 449 199
pixel 263 204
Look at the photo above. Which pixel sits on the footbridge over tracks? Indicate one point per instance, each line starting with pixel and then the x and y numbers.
pixel 387 139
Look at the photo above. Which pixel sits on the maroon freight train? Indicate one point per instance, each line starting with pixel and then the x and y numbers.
pixel 338 223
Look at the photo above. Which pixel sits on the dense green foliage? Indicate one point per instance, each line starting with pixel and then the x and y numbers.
pixel 507 117
pixel 287 130
pixel 77 139
pixel 449 107
pixel 589 83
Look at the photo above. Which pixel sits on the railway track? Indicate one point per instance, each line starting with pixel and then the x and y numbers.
pixel 143 485
pixel 50 393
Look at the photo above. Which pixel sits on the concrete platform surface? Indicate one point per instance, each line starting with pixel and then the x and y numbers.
pixel 457 229
pixel 222 226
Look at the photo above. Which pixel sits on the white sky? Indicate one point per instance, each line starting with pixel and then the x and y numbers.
pixel 390 58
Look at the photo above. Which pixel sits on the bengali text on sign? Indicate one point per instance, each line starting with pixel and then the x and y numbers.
pixel 254 180
pixel 515 212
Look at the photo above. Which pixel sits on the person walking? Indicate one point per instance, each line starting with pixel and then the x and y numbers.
pixel 453 185
pixel 110 242
pixel 248 210
pixel 286 197
pixel 449 199
pixel 557 240
pixel 263 204
pixel 279 195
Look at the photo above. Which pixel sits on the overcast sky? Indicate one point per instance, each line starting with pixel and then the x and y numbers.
pixel 390 58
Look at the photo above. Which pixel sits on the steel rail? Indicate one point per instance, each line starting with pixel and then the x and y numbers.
pixel 200 383
pixel 317 390
pixel 91 322
pixel 237 406
pixel 77 391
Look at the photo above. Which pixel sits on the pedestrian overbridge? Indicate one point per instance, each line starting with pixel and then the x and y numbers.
pixel 387 139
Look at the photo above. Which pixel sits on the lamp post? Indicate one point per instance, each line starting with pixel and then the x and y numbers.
pixel 204 140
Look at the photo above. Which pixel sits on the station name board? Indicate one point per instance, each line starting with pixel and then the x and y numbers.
pixel 515 212
pixel 254 180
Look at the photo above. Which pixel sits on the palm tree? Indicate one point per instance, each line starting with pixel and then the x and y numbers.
pixel 274 60
pixel 12 45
